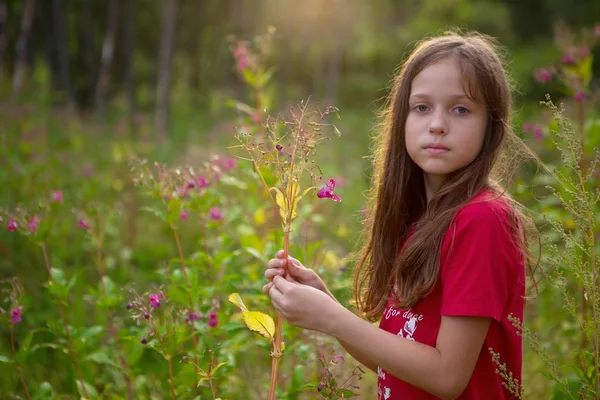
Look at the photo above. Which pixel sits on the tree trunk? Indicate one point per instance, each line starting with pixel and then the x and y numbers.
pixel 3 39
pixel 333 75
pixel 21 62
pixel 128 46
pixel 59 24
pixel 167 41
pixel 108 49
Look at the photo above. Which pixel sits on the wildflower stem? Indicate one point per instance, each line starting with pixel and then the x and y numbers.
pixel 63 316
pixel 18 367
pixel 191 299
pixel 171 380
pixel 112 329
pixel 277 344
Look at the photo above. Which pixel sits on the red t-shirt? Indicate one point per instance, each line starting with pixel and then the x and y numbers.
pixel 482 274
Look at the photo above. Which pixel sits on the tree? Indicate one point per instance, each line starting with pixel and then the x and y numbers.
pixel 165 58
pixel 26 22
pixel 108 48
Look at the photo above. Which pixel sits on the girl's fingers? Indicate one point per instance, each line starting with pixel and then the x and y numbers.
pixel 267 288
pixel 273 272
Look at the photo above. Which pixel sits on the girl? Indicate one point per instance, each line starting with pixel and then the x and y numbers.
pixel 444 263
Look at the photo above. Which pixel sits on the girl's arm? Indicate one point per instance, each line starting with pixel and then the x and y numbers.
pixel 358 355
pixel 444 370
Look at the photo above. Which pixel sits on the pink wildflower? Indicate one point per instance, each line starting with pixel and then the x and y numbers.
pixel 57 196
pixel 202 182
pixel 154 300
pixel 584 52
pixel 538 134
pixel 543 75
pixel 215 214
pixel 242 64
pixel 326 192
pixel 15 315
pixel 34 223
pixel 568 58
pixel 239 51
pixel 256 117
pixel 579 96
pixel 526 127
pixel 192 316
pixel 183 215
pixel 82 224
pixel 213 321
pixel 230 164
pixel 12 225
pixel 597 31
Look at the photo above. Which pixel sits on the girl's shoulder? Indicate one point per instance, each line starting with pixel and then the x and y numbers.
pixel 488 207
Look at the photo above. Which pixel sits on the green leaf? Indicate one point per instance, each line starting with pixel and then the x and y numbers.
pixel 215 369
pixel 91 391
pixel 178 294
pixel 101 358
pixel 4 359
pixel 159 213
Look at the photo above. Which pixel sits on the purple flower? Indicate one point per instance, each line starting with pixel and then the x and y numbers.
pixel 146 315
pixel 538 134
pixel 144 340
pixel 154 300
pixel 242 63
pixel 213 321
pixel 215 214
pixel 192 316
pixel 15 315
pixel 230 164
pixel 579 96
pixel 183 215
pixel 568 58
pixel 543 75
pixel 279 147
pixel 326 192
pixel 57 196
pixel 526 127
pixel 129 306
pixel 12 225
pixel 190 185
pixel 202 182
pixel 33 223
pixel 82 224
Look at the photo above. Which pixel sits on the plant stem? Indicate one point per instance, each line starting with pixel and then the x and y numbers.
pixel 191 299
pixel 18 367
pixel 63 316
pixel 171 380
pixel 276 356
pixel 112 329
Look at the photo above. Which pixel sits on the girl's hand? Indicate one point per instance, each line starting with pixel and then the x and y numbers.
pixel 296 272
pixel 302 305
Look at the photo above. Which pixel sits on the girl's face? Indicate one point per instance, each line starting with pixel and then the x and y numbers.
pixel 444 128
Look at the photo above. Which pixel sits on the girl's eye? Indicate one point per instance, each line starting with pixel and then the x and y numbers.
pixel 461 110
pixel 421 108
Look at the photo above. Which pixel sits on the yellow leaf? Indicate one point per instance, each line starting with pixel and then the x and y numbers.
pixel 237 300
pixel 280 200
pixel 260 323
pixel 259 216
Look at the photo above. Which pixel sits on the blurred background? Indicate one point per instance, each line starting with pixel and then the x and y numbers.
pixel 87 84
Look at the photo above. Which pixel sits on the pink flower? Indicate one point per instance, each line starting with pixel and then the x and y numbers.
pixel 239 51
pixel 242 64
pixel 230 164
pixel 57 196
pixel 256 117
pixel 12 225
pixel 33 224
pixel 568 58
pixel 326 192
pixel 192 316
pixel 527 127
pixel 538 134
pixel 579 96
pixel 215 214
pixel 340 181
pixel 82 224
pixel 202 182
pixel 154 300
pixel 213 321
pixel 584 52
pixel 543 75
pixel 597 31
pixel 15 315
pixel 183 215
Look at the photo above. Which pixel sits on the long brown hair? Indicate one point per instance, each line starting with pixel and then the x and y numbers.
pixel 398 196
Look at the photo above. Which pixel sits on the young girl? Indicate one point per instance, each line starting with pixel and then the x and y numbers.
pixel 444 264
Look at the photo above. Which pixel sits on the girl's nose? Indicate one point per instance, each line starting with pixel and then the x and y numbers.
pixel 438 124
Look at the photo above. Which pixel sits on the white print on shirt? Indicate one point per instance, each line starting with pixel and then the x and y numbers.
pixel 387 392
pixel 410 327
pixel 380 373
